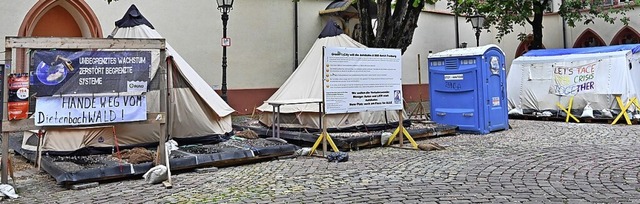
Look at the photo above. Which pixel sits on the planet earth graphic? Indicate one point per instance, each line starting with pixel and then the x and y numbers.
pixel 51 75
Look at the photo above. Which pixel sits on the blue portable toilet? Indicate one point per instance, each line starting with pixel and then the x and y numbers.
pixel 468 89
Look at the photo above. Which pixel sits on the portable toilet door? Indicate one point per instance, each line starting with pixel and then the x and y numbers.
pixel 468 89
pixel 495 89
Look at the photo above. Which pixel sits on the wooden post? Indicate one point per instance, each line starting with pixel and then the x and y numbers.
pixel 325 133
pixel 5 135
pixel 568 110
pixel 623 109
pixel 12 43
pixel 5 157
pixel 163 109
pixel 39 148
pixel 168 183
pixel 324 137
pixel 168 113
pixel 401 127
pixel 164 92
pixel 401 131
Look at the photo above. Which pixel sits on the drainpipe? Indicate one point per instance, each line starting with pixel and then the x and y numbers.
pixel 295 52
pixel 564 30
pixel 455 22
pixel 564 33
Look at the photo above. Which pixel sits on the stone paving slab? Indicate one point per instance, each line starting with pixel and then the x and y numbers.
pixel 535 162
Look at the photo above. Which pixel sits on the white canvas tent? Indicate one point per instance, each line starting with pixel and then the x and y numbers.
pixel 540 79
pixel 305 84
pixel 197 113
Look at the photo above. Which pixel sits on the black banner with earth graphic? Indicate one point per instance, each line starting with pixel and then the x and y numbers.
pixel 59 72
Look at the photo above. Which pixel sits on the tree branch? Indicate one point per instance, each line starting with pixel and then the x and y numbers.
pixel 384 15
pixel 365 23
pixel 409 25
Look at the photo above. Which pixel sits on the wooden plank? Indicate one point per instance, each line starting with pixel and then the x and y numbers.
pixel 83 43
pixel 29 124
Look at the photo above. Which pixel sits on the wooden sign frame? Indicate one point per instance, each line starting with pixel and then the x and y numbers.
pixel 12 43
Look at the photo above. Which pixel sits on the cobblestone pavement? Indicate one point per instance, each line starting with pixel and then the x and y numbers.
pixel 535 162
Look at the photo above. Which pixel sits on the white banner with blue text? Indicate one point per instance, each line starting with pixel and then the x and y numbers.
pixel 89 110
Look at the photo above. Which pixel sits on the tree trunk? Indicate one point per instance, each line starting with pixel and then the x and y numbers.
pixel 536 24
pixel 366 28
pixel 409 25
pixel 394 30
pixel 384 25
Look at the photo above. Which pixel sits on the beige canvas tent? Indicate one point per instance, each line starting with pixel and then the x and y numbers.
pixel 305 84
pixel 197 113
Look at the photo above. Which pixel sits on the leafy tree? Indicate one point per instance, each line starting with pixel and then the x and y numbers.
pixel 586 11
pixel 504 14
pixel 396 22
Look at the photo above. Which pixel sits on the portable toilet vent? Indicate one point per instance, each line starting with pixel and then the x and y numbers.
pixel 468 89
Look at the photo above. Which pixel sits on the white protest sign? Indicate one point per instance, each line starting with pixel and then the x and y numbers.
pixel 362 79
pixel 569 81
pixel 88 110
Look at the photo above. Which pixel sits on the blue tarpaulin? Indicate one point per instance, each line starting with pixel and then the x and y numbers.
pixel 585 50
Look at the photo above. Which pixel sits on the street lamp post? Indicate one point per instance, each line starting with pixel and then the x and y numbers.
pixel 477 22
pixel 225 6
